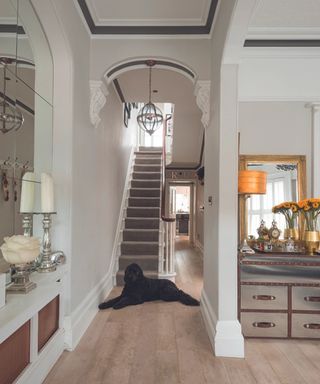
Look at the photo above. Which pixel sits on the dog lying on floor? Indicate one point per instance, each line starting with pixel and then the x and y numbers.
pixel 139 289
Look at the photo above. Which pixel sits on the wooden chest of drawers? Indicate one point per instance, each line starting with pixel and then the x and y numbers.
pixel 279 296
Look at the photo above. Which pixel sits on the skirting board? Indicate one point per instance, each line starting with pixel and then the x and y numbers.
pixel 225 335
pixel 80 319
pixel 36 372
pixel 199 246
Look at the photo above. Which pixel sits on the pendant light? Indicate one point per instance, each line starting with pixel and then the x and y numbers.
pixel 10 117
pixel 150 117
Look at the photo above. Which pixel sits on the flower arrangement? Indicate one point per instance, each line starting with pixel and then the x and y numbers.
pixel 310 208
pixel 290 210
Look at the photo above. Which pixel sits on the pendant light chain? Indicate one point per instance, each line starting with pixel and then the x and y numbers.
pixel 150 117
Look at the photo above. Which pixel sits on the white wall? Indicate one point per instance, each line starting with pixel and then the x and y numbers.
pixel 276 128
pixel 284 75
pixel 99 163
pixel 195 53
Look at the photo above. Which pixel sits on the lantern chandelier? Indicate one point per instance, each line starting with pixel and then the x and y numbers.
pixel 150 117
pixel 10 117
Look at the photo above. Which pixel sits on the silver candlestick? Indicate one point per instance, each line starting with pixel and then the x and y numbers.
pixel 46 262
pixel 27 220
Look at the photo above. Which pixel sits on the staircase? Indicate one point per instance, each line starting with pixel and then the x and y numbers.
pixel 140 240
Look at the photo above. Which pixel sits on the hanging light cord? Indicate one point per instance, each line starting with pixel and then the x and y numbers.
pixel 150 84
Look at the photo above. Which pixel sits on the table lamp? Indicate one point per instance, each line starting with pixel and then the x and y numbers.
pixel 250 182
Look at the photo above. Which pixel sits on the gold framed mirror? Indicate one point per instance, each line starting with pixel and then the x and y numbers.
pixel 286 181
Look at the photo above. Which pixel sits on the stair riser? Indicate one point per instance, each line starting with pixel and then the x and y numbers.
pixel 143 212
pixel 147 168
pixel 144 202
pixel 140 236
pixel 145 264
pixel 150 149
pixel 146 176
pixel 144 193
pixel 145 184
pixel 139 249
pixel 142 224
pixel 147 161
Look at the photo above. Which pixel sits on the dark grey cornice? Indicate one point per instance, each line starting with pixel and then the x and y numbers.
pixel 12 28
pixel 165 63
pixel 148 30
pixel 289 43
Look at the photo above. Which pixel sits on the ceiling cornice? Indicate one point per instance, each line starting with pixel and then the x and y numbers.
pixel 148 30
pixel 290 43
pixel 12 28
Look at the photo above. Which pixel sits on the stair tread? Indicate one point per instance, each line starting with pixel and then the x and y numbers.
pixel 141 218
pixel 139 256
pixel 144 197
pixel 141 230
pixel 134 207
pixel 139 242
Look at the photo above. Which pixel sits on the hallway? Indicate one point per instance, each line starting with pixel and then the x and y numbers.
pixel 166 343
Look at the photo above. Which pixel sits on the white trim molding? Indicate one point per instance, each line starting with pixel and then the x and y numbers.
pixel 315 145
pixel 80 319
pixel 225 335
pixel 98 98
pixel 122 216
pixel 202 93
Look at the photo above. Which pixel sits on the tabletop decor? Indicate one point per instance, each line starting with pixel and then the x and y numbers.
pixel 310 209
pixel 20 251
pixel 290 210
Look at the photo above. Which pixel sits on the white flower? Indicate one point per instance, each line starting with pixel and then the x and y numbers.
pixel 20 249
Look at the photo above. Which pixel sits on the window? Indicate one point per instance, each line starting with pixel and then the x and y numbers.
pixel 260 206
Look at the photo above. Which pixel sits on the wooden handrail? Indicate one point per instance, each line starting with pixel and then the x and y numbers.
pixel 163 180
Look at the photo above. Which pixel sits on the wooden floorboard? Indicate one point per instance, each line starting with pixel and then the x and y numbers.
pixel 166 343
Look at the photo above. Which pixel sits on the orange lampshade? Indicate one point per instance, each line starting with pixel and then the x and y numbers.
pixel 252 182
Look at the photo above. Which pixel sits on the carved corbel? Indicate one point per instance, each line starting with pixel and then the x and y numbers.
pixel 202 93
pixel 98 96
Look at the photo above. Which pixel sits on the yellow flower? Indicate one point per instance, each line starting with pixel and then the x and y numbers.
pixel 294 208
pixel 315 205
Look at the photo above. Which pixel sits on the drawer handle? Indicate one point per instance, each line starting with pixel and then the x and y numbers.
pixel 314 299
pixel 312 326
pixel 263 297
pixel 263 324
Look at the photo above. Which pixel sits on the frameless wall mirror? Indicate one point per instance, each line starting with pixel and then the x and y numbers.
pixel 26 82
pixel 286 181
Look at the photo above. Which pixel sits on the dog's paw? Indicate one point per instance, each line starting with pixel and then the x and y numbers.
pixel 103 306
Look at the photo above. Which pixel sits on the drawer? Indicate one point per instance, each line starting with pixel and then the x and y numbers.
pixel 305 325
pixel 264 297
pixel 306 298
pixel 257 324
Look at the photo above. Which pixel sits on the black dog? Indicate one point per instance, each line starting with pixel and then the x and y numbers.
pixel 139 289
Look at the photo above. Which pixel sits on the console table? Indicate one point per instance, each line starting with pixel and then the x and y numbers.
pixel 279 295
pixel 31 332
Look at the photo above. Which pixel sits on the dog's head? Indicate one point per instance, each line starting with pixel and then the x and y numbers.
pixel 133 273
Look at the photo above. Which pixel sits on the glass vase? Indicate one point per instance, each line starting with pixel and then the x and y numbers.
pixel 312 241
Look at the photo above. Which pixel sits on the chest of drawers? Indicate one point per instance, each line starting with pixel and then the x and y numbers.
pixel 279 296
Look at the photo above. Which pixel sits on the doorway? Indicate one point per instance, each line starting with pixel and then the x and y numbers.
pixel 181 205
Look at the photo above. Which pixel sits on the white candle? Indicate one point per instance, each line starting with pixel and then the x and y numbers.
pixel 27 193
pixel 47 203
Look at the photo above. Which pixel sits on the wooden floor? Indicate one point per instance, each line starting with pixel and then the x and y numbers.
pixel 166 343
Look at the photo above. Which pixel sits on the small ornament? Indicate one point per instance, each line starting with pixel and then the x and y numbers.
pixel 274 231
pixel 263 230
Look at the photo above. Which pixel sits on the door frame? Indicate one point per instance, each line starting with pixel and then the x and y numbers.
pixel 193 185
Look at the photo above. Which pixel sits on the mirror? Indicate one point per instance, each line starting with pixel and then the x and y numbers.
pixel 27 85
pixel 286 181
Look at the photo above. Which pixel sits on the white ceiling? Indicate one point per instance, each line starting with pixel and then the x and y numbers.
pixel 286 16
pixel 149 12
pixel 7 12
